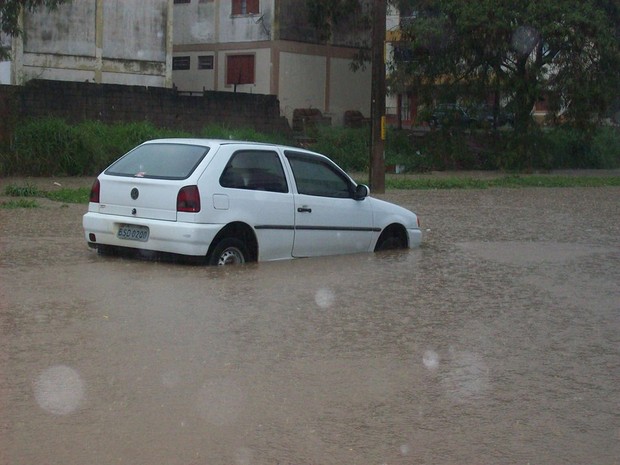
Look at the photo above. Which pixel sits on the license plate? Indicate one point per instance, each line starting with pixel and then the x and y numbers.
pixel 133 232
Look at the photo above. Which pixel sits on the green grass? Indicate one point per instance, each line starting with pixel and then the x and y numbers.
pixel 505 182
pixel 19 203
pixel 79 195
pixel 66 195
pixel 22 191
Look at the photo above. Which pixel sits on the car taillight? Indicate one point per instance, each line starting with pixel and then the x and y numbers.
pixel 188 199
pixel 94 191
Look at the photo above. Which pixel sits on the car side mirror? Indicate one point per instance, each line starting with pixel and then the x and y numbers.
pixel 361 192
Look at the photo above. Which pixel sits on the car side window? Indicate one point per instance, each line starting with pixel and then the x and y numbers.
pixel 315 176
pixel 254 170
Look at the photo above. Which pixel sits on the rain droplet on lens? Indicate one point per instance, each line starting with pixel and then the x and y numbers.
pixel 524 39
pixel 324 298
pixel 59 390
pixel 430 359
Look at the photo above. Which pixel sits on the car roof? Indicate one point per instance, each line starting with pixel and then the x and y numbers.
pixel 220 142
pixel 200 141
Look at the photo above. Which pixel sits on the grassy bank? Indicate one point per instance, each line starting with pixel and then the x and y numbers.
pixel 52 147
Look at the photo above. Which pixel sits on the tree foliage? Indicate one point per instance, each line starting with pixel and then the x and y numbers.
pixel 513 52
pixel 326 15
pixel 9 16
pixel 565 51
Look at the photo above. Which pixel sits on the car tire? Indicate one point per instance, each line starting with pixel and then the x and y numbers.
pixel 390 242
pixel 229 251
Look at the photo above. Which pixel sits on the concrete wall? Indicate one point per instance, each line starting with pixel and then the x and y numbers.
pixel 79 101
pixel 195 23
pixel 348 90
pixel 251 28
pixel 194 79
pixel 262 63
pixel 311 77
pixel 5 66
pixel 5 72
pixel 212 22
pixel 302 82
pixel 104 41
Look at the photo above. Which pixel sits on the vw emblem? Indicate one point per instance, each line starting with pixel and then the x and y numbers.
pixel 135 193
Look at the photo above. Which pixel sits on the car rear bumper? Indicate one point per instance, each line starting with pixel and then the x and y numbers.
pixel 164 236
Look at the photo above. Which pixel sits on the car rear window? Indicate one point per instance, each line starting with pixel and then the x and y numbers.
pixel 160 161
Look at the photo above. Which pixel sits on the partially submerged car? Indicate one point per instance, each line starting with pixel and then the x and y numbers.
pixel 232 202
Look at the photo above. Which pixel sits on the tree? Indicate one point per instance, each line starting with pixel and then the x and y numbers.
pixel 9 16
pixel 325 15
pixel 564 51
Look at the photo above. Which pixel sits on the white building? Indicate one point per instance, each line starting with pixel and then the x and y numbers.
pixel 5 65
pixel 112 42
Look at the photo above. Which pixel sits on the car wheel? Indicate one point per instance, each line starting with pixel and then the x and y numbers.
pixel 229 251
pixel 390 240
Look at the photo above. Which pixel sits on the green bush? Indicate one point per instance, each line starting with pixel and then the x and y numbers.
pixel 571 148
pixel 348 147
pixel 454 150
pixel 40 147
pixel 606 148
pixel 53 147
pixel 50 146
pixel 567 148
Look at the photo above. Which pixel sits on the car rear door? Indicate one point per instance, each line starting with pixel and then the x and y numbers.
pixel 328 220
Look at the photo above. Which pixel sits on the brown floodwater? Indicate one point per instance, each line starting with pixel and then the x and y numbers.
pixel 496 342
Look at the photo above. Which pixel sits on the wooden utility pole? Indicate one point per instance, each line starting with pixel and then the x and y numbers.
pixel 377 104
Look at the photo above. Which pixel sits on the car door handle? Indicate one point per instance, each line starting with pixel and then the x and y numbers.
pixel 304 210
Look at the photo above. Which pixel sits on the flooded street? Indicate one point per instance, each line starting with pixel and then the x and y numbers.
pixel 496 342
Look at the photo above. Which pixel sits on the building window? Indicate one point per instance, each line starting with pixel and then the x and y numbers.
pixel 180 63
pixel 244 7
pixel 181 1
pixel 239 69
pixel 205 62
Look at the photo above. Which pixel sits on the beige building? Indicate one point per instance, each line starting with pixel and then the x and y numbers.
pixel 269 47
pixel 104 41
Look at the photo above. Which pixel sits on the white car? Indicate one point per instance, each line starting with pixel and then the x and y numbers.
pixel 232 202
